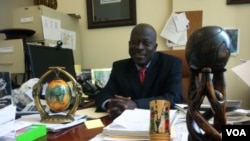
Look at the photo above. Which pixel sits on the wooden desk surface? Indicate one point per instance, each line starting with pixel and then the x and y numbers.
pixel 77 133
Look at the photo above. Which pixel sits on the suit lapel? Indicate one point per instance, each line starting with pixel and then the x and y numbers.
pixel 150 75
pixel 133 79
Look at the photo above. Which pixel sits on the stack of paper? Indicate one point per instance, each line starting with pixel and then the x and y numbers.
pixel 35 119
pixel 230 106
pixel 131 125
pixel 238 116
pixel 7 122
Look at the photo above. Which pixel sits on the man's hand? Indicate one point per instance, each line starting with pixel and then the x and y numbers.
pixel 118 104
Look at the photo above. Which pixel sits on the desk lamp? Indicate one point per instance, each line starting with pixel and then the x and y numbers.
pixel 207 53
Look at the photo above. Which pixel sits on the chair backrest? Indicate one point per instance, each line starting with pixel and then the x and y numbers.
pixel 185 70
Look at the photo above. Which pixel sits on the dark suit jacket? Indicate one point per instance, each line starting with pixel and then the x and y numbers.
pixel 162 81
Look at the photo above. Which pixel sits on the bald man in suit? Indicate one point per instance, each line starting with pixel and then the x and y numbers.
pixel 162 77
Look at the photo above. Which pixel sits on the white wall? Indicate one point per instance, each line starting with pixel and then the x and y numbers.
pixel 100 47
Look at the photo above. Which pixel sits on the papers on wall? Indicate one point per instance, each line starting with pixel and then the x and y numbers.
pixel 68 38
pixel 51 28
pixel 175 29
pixel 242 71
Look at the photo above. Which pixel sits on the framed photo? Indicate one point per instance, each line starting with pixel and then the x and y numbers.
pixel 110 13
pixel 101 75
pixel 5 84
pixel 229 2
pixel 109 1
pixel 234 36
pixel 5 89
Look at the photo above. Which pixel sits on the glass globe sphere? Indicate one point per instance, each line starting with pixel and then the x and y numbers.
pixel 58 95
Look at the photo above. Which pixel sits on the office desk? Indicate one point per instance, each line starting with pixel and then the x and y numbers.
pixel 77 133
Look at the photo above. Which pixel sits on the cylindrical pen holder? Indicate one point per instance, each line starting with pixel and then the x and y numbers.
pixel 159 120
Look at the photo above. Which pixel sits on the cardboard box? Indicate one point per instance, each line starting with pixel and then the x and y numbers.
pixel 31 17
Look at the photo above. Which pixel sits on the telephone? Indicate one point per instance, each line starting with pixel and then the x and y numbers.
pixel 89 88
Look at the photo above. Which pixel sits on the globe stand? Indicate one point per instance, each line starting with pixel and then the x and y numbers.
pixel 56 118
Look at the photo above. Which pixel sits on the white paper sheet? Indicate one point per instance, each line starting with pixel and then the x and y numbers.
pixel 35 119
pixel 68 38
pixel 51 28
pixel 242 71
pixel 133 126
pixel 181 22
pixel 90 113
pixel 175 29
pixel 7 120
pixel 170 32
pixel 132 123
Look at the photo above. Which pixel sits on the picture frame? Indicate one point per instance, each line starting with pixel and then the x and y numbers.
pixel 109 1
pixel 234 34
pixel 111 13
pixel 101 75
pixel 5 89
pixel 230 2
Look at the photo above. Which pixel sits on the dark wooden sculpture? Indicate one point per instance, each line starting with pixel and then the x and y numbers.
pixel 207 53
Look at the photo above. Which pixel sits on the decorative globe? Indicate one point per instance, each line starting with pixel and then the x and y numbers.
pixel 208 47
pixel 58 95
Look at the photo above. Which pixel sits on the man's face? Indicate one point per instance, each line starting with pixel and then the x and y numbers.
pixel 142 45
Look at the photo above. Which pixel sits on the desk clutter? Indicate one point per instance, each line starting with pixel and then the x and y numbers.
pixel 136 126
pixel 29 127
pixel 52 127
pixel 130 125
